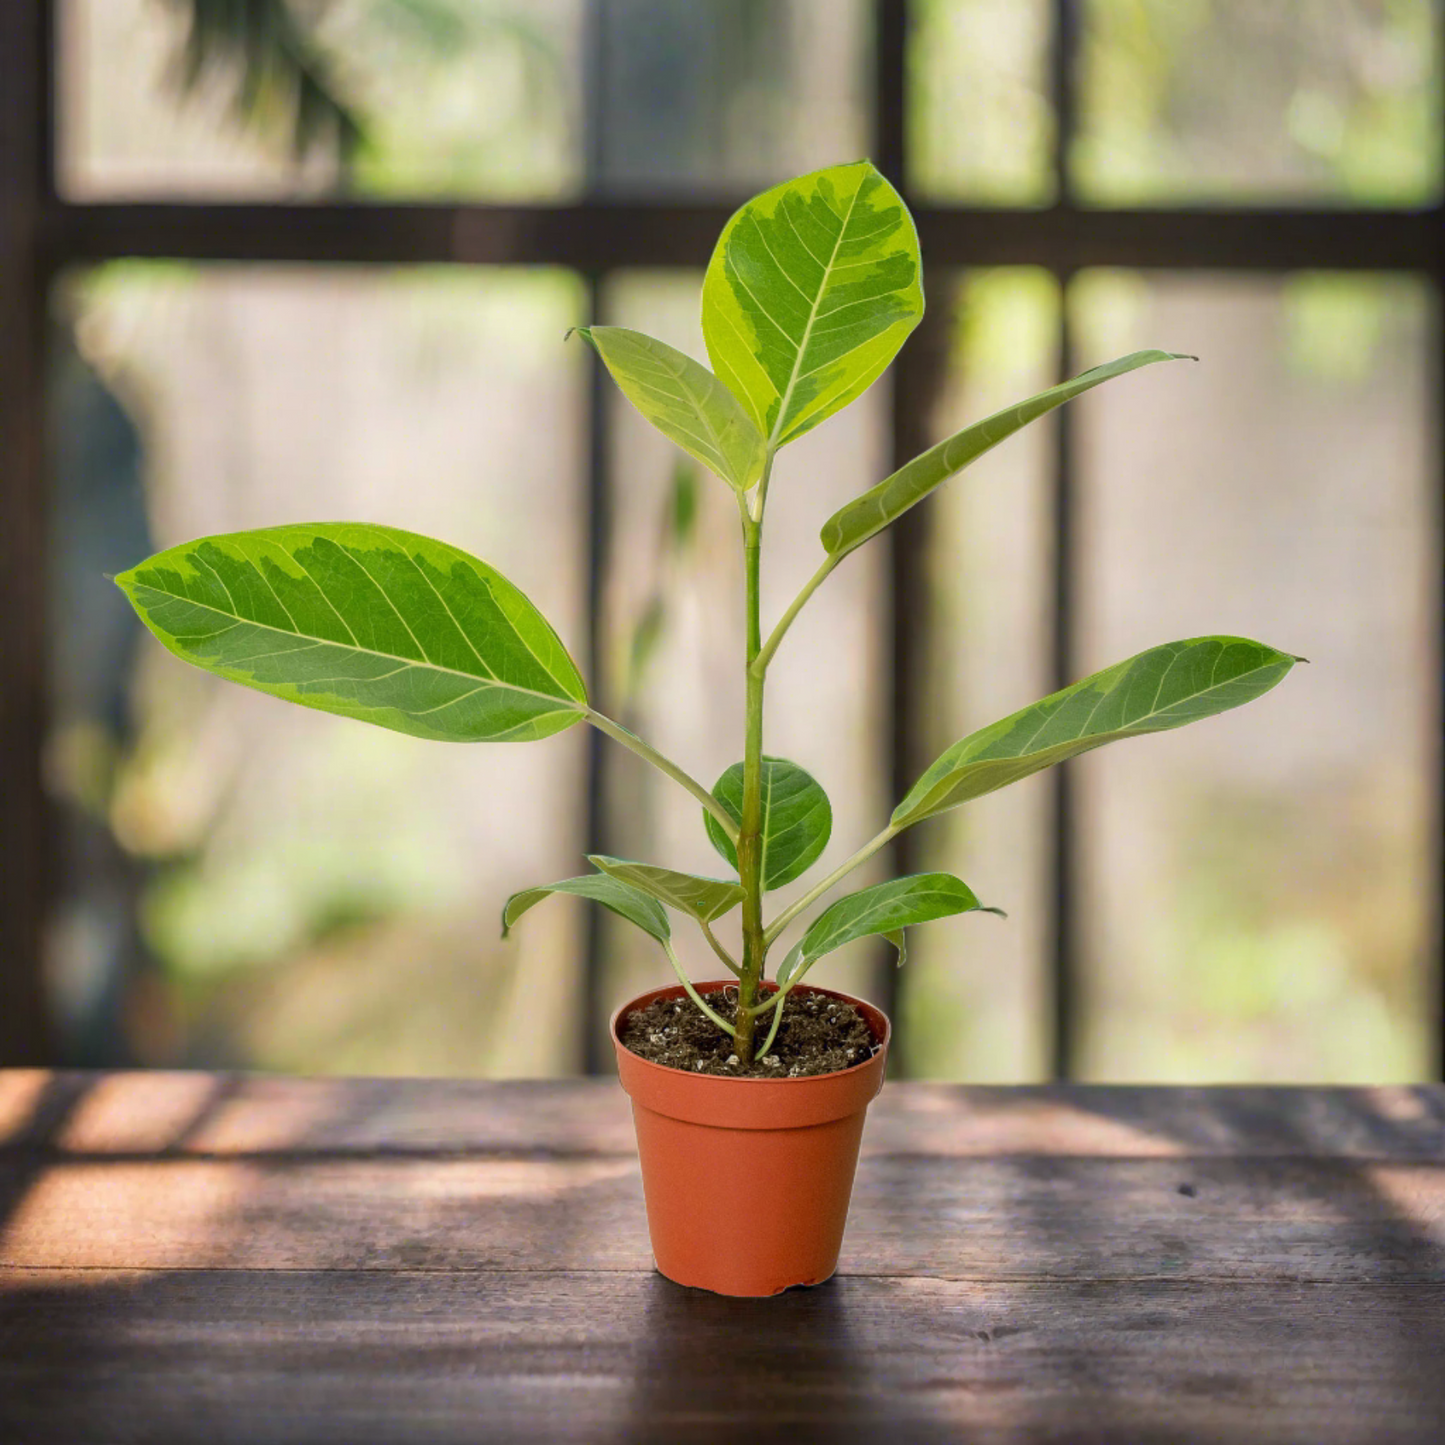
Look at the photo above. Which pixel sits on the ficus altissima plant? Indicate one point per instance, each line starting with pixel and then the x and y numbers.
pixel 811 290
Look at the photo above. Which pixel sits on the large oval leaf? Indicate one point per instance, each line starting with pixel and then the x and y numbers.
pixel 625 901
pixel 684 401
pixel 703 898
pixel 811 290
pixel 1163 688
pixel 886 908
pixel 369 622
pixel 797 819
pixel 866 516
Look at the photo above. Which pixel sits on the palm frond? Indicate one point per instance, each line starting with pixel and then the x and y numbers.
pixel 279 74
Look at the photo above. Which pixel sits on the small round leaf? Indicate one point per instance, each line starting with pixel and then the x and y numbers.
pixel 797 819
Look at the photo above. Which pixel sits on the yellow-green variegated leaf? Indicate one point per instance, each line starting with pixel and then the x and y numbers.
pixel 621 898
pixel 866 516
pixel 703 898
pixel 811 290
pixel 1163 688
pixel 684 401
pixel 368 622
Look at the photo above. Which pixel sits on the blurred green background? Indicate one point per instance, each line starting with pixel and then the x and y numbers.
pixel 252 885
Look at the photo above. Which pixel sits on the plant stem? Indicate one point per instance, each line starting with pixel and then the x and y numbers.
pixel 778 998
pixel 749 839
pixel 765 655
pixel 634 744
pixel 717 948
pixel 693 994
pixel 841 871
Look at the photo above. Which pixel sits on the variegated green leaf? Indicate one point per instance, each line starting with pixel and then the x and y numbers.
pixel 797 819
pixel 624 900
pixel 684 401
pixel 866 516
pixel 811 290
pixel 369 622
pixel 887 909
pixel 704 898
pixel 1163 688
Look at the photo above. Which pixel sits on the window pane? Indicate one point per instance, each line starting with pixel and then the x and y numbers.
pixel 464 99
pixel 976 1001
pixel 1255 890
pixel 980 123
pixel 675 625
pixel 728 96
pixel 449 99
pixel 250 883
pixel 1235 100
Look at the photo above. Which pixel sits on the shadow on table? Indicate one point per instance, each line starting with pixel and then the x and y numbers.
pixel 796 1367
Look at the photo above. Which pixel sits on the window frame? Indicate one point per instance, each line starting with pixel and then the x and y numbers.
pixel 41 234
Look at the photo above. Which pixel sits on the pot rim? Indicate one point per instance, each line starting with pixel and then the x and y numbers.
pixel 880 1044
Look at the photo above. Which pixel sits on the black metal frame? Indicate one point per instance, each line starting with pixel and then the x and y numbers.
pixel 40 234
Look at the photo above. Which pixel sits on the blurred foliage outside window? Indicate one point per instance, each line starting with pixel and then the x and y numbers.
pixel 245 886
pixel 1181 101
pixel 500 100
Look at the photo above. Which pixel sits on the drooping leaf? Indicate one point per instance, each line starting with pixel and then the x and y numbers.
pixel 1163 688
pixel 684 401
pixel 866 516
pixel 797 819
pixel 886 908
pixel 704 898
pixel 369 622
pixel 624 900
pixel 811 290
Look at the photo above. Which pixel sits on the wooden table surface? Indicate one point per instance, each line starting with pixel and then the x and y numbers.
pixel 197 1257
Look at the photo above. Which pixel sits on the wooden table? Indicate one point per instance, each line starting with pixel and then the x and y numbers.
pixel 195 1257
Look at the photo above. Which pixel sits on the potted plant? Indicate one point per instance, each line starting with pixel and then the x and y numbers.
pixel 748 1092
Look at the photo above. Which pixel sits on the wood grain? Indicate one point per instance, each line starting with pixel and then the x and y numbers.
pixel 275 1260
pixel 201 1113
pixel 249 1357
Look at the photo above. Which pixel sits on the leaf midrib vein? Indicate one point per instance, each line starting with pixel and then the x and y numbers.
pixel 569 703
pixel 812 316
pixel 953 778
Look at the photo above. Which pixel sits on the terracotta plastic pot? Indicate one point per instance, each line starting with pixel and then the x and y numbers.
pixel 748 1180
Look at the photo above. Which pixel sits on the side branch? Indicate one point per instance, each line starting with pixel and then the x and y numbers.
pixel 788 914
pixel 692 993
pixel 634 744
pixel 760 663
pixel 718 949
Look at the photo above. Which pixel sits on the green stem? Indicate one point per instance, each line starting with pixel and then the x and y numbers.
pixel 749 840
pixel 693 994
pixel 788 914
pixel 777 999
pixel 765 654
pixel 718 949
pixel 773 999
pixel 634 744
pixel 760 503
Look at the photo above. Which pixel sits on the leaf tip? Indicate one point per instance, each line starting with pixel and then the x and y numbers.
pixel 1297 658
pixel 997 912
